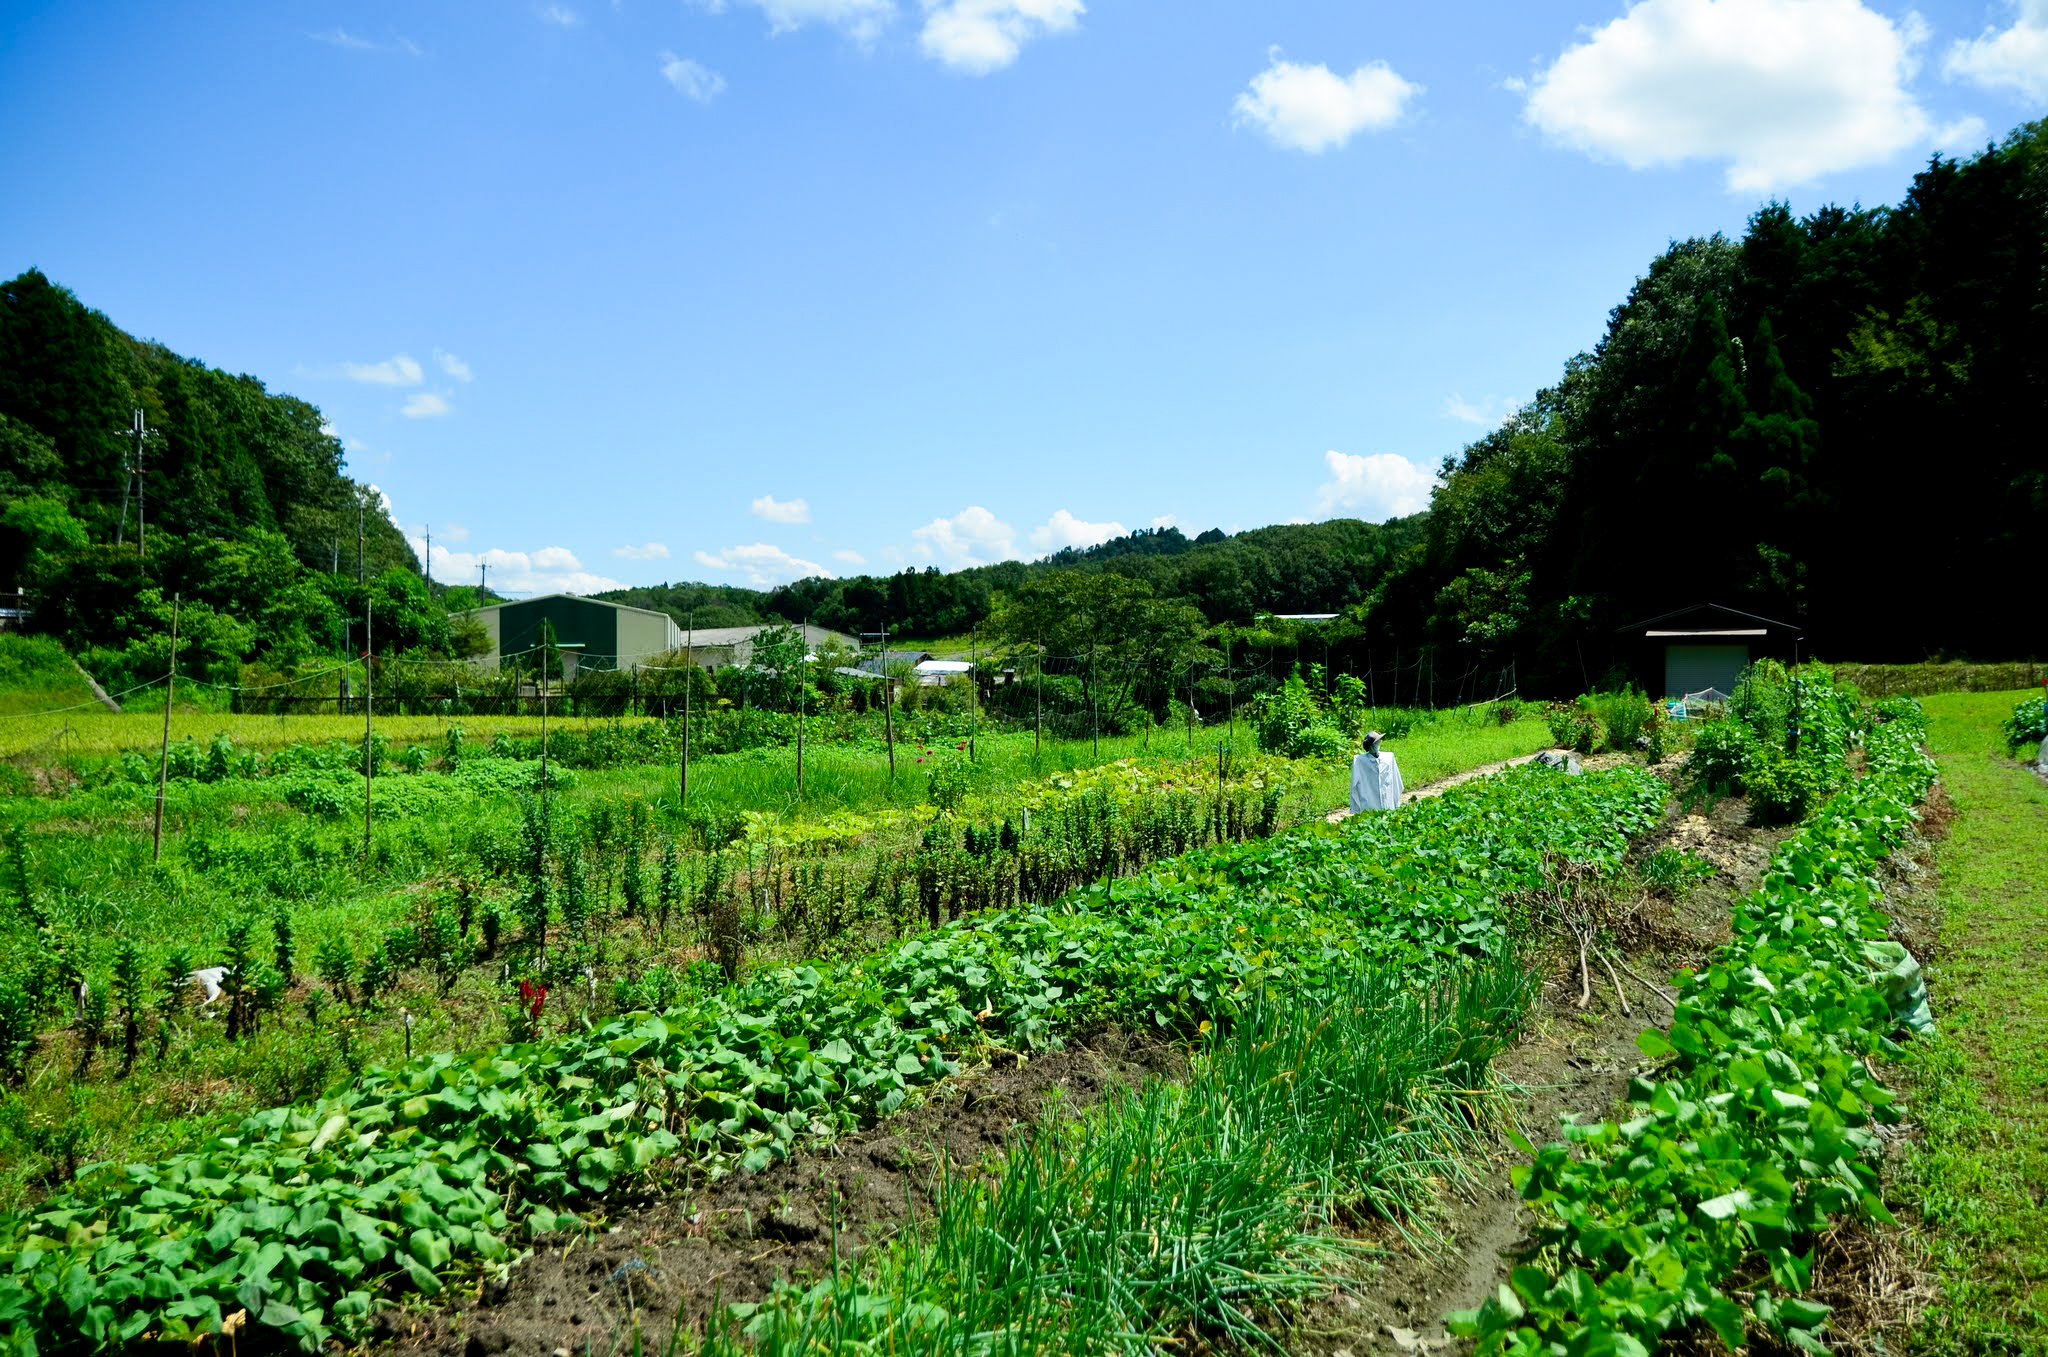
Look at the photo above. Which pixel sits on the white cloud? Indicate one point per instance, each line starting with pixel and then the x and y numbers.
pixel 560 15
pixel 1166 521
pixel 426 405
pixel 1378 486
pixel 653 551
pixel 691 79
pixel 1064 530
pixel 398 370
pixel 517 574
pixel 452 365
pixel 2014 59
pixel 454 532
pixel 979 36
pixel 861 20
pixel 974 536
pixel 1485 413
pixel 1783 90
pixel 781 510
pixel 1312 108
pixel 762 564
pixel 849 557
pixel 341 37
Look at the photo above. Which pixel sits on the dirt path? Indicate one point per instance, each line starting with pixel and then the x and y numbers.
pixel 1571 1062
pixel 1438 788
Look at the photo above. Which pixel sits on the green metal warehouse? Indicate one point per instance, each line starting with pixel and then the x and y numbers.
pixel 608 635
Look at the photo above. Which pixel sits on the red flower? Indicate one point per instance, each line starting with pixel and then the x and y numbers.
pixel 961 745
pixel 533 998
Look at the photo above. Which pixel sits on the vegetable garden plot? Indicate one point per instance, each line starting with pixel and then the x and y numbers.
pixel 308 1214
pixel 1758 1130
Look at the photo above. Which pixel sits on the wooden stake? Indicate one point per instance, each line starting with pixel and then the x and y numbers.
pixel 689 682
pixel 163 772
pixel 888 702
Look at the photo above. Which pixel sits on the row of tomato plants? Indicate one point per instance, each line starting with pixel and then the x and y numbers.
pixel 308 1216
pixel 1755 1129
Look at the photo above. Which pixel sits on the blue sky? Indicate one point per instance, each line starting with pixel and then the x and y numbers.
pixel 678 289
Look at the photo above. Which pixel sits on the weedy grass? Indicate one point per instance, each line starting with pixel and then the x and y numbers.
pixel 1980 1169
pixel 1181 1208
pixel 36 675
pixel 96 732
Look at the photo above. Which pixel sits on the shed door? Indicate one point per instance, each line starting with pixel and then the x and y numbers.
pixel 1687 669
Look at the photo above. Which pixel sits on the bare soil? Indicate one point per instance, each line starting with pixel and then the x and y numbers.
pixel 733 1240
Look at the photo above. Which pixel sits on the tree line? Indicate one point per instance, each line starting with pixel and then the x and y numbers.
pixel 1834 421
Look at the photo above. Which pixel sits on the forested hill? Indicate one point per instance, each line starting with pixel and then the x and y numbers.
pixel 249 516
pixel 1836 420
pixel 227 455
pixel 1305 567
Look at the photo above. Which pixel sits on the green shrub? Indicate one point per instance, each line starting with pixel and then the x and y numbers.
pixel 2028 723
pixel 1783 791
pixel 1290 721
pixel 1762 700
pixel 1723 756
pixel 1624 716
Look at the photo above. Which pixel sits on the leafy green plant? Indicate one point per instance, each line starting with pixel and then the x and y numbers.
pixel 1757 1129
pixel 17 1029
pixel 1784 791
pixel 2028 724
pixel 1624 717
pixel 403 1171
pixel 129 989
pixel 1674 871
pixel 1723 756
pixel 283 938
pixel 335 961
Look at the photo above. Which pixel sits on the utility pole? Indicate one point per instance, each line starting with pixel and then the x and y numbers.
pixel 163 771
pixel 369 724
pixel 138 429
pixel 361 505
pixel 483 584
pixel 141 488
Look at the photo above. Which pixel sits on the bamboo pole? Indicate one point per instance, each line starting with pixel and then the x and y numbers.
pixel 369 723
pixel 888 702
pixel 689 682
pixel 163 771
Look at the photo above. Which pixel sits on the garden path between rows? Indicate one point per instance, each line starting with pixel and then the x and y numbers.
pixel 733 1241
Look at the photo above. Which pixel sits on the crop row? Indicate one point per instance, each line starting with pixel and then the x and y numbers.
pixel 1757 1130
pixel 307 1215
